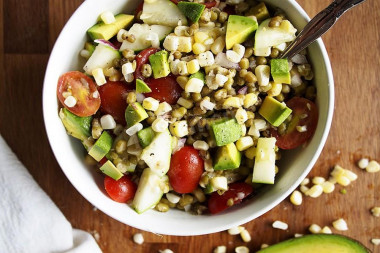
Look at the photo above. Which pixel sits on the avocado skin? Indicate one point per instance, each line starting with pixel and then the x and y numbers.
pixel 78 127
pixel 317 243
pixel 193 11
pixel 145 136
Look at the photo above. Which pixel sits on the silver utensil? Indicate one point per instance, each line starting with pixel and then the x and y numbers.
pixel 320 24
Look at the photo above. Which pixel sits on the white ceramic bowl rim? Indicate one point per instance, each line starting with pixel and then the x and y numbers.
pixel 89 184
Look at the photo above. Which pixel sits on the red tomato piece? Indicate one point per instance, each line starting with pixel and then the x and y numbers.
pixel 236 191
pixel 293 138
pixel 82 88
pixel 208 4
pixel 165 89
pixel 186 168
pixel 121 190
pixel 113 97
pixel 141 59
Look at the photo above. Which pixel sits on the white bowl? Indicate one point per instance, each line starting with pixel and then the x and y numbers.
pixel 69 152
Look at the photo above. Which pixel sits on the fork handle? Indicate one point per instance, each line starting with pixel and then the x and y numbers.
pixel 319 25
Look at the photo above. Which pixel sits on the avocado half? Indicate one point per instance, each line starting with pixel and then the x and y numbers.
pixel 317 243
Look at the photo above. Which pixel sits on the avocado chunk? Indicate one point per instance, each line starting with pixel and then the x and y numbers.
pixel 274 111
pixel 193 11
pixel 260 11
pixel 200 75
pixel 134 114
pixel 227 157
pixel 238 29
pixel 78 127
pixel 101 147
pixel 160 64
pixel 110 170
pixel 280 72
pixel 142 87
pixel 145 136
pixel 321 243
pixel 264 169
pixel 149 191
pixel 226 131
pixel 107 31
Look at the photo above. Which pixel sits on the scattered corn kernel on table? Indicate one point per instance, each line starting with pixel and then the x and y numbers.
pixel 26 39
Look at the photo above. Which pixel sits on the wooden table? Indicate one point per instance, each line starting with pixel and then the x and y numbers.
pixel 28 31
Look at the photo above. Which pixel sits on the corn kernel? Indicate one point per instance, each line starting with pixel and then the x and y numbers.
pixel 280 225
pixel 199 48
pixel 340 225
pixel 250 153
pixel 375 211
pixel 200 37
pixel 304 189
pixel 99 77
pixel 350 175
pixel 185 102
pixel 262 73
pixel 201 145
pixel 233 102
pixel 107 17
pixel 241 116
pixel 194 85
pixel 249 100
pixel 159 125
pixel 218 45
pixel 173 198
pixel 241 249
pixel 235 230
pixel 296 198
pixel 275 90
pixel 298 235
pixel 318 180
pixel 163 108
pixel 245 236
pixel 138 238
pixel 179 128
pixel 326 230
pixel 328 187
pixel 315 229
pixel 244 143
pixel 363 163
pixel 182 68
pixel 264 245
pixel 315 191
pixel 306 181
pixel 373 167
pixel 220 249
pixel 219 183
pixel 343 180
pixel 150 104
pixel 193 66
pixel 206 59
pixel 375 241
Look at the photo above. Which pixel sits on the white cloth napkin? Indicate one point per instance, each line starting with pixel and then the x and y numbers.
pixel 29 220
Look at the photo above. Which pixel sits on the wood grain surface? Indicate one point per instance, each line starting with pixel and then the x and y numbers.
pixel 28 31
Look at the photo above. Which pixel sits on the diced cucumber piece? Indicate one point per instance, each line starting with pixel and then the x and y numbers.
pixel 162 12
pixel 264 168
pixel 149 191
pixel 157 155
pixel 141 31
pixel 102 57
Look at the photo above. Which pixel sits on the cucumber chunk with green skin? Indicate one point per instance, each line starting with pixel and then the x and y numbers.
pixel 145 136
pixel 239 28
pixel 110 170
pixel 135 113
pixel 78 127
pixel 318 243
pixel 158 153
pixel 162 12
pixel 193 11
pixel 107 31
pixel 264 169
pixel 280 72
pixel 101 147
pixel 141 31
pixel 200 75
pixel 226 131
pixel 160 64
pixel 142 87
pixel 102 57
pixel 267 37
pixel 149 191
pixel 274 111
pixel 228 157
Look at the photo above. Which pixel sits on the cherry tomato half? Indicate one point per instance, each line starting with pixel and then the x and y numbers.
pixel 141 59
pixel 121 190
pixel 83 89
pixel 305 113
pixel 165 89
pixel 113 97
pixel 236 191
pixel 186 168
pixel 208 4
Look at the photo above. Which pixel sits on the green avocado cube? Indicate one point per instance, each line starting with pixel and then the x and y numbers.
pixel 78 127
pixel 145 136
pixel 107 31
pixel 200 75
pixel 101 147
pixel 89 47
pixel 228 157
pixel 142 87
pixel 280 72
pixel 193 11
pixel 110 170
pixel 274 111
pixel 239 28
pixel 160 64
pixel 134 114
pixel 225 131
pixel 260 11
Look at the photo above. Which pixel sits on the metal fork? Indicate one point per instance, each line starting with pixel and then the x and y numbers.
pixel 320 24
